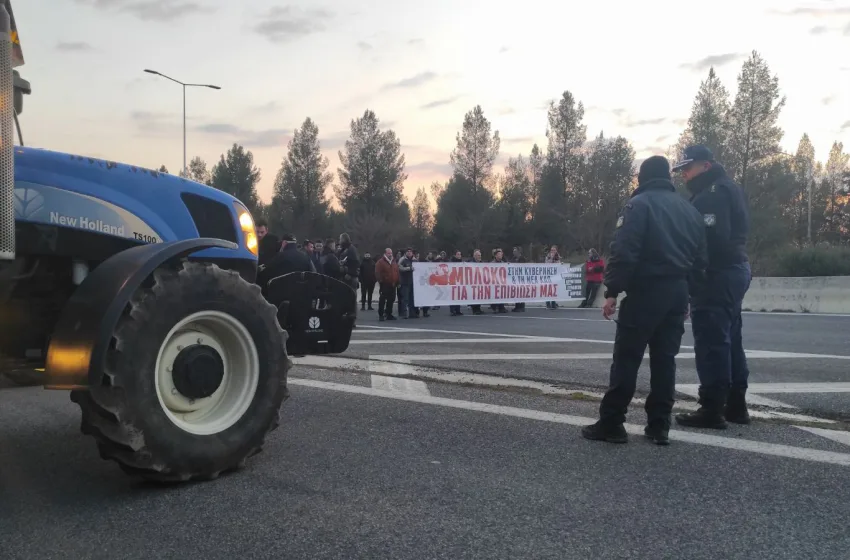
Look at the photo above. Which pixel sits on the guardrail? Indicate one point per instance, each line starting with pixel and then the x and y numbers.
pixel 817 294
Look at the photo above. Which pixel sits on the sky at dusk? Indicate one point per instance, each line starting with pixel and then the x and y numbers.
pixel 419 65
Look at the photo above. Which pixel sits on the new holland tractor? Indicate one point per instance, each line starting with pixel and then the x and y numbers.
pixel 135 290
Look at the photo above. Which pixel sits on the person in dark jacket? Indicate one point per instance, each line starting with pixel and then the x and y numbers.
pixel 288 259
pixel 594 270
pixel 476 258
pixel 367 281
pixel 329 262
pixel 518 258
pixel 267 245
pixel 457 257
pixel 716 312
pixel 657 257
pixel 498 257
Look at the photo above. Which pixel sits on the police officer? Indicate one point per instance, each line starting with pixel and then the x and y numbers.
pixel 716 312
pixel 658 252
pixel 288 259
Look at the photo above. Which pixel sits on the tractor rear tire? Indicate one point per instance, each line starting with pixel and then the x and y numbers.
pixel 194 378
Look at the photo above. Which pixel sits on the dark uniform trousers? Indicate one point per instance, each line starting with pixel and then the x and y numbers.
pixel 386 298
pixel 652 314
pixel 366 291
pixel 718 345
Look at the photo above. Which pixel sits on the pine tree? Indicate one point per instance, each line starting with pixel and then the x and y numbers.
pixel 197 171
pixel 421 219
pixel 708 123
pixel 476 150
pixel 835 180
pixel 566 134
pixel 299 200
pixel 803 166
pixel 236 174
pixel 754 133
pixel 372 174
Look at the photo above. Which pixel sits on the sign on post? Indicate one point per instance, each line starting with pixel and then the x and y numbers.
pixel 450 283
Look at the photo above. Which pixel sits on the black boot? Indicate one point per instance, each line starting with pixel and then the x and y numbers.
pixel 605 432
pixel 657 434
pixel 736 407
pixel 362 307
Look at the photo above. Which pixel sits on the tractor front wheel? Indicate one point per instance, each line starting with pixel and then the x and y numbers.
pixel 194 379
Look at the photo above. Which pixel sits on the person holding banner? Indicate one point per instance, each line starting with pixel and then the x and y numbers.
pixel 476 258
pixel 455 309
pixel 498 257
pixel 518 258
pixel 657 258
pixel 552 257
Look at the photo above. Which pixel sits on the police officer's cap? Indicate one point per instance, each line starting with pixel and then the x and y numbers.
pixel 697 152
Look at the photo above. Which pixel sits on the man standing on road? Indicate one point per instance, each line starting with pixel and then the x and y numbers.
pixel 716 312
pixel 658 250
pixel 386 272
pixel 456 258
pixel 518 258
pixel 367 281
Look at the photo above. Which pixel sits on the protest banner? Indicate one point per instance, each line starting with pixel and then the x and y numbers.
pixel 450 283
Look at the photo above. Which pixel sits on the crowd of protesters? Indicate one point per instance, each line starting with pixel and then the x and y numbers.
pixel 392 272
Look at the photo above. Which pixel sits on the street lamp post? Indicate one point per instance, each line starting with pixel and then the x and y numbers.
pixel 185 85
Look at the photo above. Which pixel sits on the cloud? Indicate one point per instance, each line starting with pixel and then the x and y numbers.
pixel 828 100
pixel 818 30
pixel 504 49
pixel 73 46
pixel 269 107
pixel 662 138
pixel 417 41
pixel 364 46
pixel 845 126
pixel 815 11
pixel 519 140
pixel 152 124
pixel 431 167
pixel 440 102
pixel 412 82
pixel 152 10
pixel 716 60
pixel 631 123
pixel 283 24
pixel 265 138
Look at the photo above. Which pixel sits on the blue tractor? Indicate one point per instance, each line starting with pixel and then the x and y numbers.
pixel 135 290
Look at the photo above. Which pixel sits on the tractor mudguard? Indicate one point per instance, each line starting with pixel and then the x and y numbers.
pixel 316 310
pixel 83 333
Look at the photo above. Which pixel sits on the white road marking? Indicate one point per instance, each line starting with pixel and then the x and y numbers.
pixel 463 340
pixel 400 385
pixel 750 446
pixel 483 380
pixel 514 338
pixel 693 391
pixel 834 435
pixel 796 388
pixel 413 329
pixel 760 354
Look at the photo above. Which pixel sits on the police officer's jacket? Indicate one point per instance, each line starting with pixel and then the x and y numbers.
pixel 725 214
pixel 659 235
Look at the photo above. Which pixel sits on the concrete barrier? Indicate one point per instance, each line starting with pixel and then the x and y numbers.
pixel 817 294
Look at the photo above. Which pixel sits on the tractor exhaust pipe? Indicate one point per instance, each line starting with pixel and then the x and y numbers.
pixel 7 141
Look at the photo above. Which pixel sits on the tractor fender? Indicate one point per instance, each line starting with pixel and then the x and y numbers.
pixel 77 350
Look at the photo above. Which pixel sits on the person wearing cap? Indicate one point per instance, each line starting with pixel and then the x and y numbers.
pixel 716 310
pixel 658 254
pixel 288 259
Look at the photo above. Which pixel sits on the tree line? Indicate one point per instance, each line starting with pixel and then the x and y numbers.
pixel 567 193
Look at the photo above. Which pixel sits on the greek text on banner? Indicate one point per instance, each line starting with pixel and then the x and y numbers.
pixel 450 283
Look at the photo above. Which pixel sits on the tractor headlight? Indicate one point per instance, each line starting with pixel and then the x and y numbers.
pixel 246 223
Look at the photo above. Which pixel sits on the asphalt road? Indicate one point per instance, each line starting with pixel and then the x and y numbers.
pixel 807 354
pixel 386 465
pixel 414 470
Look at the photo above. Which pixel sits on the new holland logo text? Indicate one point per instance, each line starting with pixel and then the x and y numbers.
pixel 86 223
